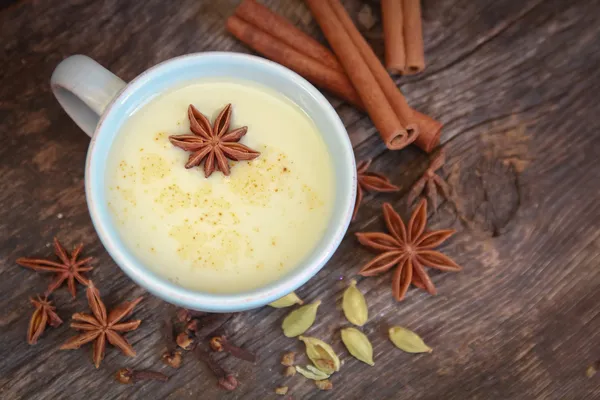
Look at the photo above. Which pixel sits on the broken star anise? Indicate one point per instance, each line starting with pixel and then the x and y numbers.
pixel 370 182
pixel 213 144
pixel 69 269
pixel 43 315
pixel 431 182
pixel 102 326
pixel 411 249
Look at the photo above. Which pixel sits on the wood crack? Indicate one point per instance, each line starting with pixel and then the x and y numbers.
pixel 490 36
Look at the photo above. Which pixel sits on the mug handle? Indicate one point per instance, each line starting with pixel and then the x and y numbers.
pixel 84 89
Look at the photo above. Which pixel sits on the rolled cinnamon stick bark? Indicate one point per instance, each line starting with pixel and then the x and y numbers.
pixel 430 128
pixel 393 32
pixel 261 41
pixel 382 114
pixel 279 27
pixel 319 74
pixel 413 37
pixel 391 91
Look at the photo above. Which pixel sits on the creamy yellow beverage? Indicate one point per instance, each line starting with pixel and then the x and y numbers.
pixel 221 234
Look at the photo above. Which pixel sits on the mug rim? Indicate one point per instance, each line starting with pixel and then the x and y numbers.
pixel 160 286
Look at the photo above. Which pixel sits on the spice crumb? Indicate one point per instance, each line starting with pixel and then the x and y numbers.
pixel 282 390
pixel 216 343
pixel 592 369
pixel 325 384
pixel 127 376
pixel 289 371
pixel 288 359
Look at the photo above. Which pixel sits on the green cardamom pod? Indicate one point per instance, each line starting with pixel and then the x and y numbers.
pixel 355 305
pixel 311 372
pixel 407 340
pixel 358 345
pixel 287 301
pixel 321 354
pixel 298 321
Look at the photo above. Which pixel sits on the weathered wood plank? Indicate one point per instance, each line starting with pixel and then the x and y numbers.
pixel 516 84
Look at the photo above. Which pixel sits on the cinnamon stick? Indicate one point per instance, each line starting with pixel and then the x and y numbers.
pixel 393 32
pixel 413 37
pixel 261 41
pixel 391 130
pixel 282 29
pixel 431 129
pixel 391 91
pixel 323 76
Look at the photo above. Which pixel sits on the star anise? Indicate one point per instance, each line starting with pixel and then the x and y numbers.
pixel 213 144
pixel 410 249
pixel 102 326
pixel 69 269
pixel 370 182
pixel 431 182
pixel 43 315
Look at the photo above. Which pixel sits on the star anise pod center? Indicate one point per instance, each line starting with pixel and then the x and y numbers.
pixel 410 249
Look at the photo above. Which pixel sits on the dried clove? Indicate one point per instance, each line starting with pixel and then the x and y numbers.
pixel 172 358
pixel 168 334
pixel 225 380
pixel 209 324
pixel 128 375
pixel 220 343
pixel 201 326
pixel 184 341
pixel 192 326
pixel 185 315
pixel 204 355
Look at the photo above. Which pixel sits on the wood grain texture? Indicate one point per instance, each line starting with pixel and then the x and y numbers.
pixel 516 84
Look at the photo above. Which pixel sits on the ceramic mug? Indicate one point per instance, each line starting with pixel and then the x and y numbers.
pixel 100 102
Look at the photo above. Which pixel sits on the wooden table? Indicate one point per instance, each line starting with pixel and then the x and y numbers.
pixel 516 83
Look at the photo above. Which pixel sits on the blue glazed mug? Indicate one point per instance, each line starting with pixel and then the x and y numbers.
pixel 100 102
